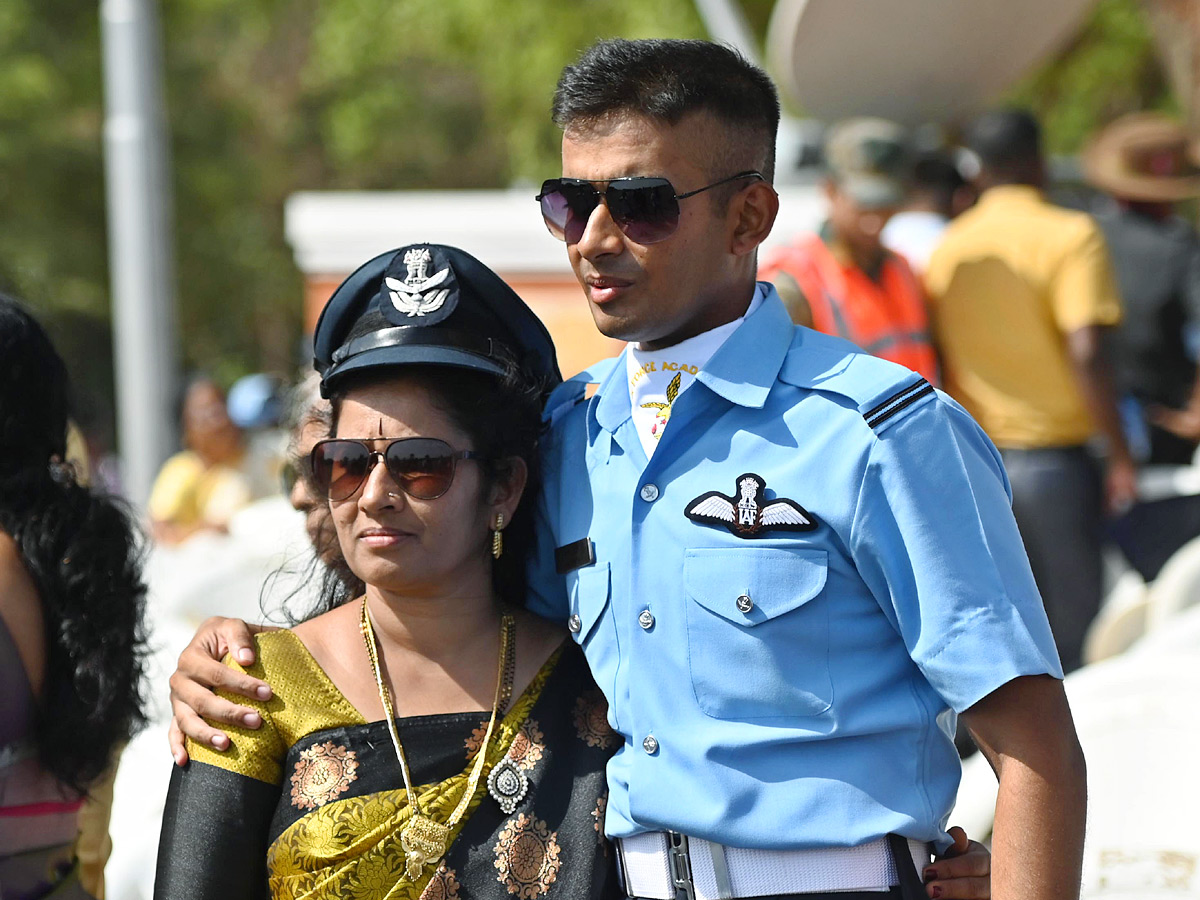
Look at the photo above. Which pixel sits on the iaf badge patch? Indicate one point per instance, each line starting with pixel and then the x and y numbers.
pixel 748 516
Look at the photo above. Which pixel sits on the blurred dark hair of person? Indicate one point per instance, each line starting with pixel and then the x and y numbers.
pixel 1008 145
pixel 935 192
pixel 72 643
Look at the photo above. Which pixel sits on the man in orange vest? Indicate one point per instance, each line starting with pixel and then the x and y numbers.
pixel 844 281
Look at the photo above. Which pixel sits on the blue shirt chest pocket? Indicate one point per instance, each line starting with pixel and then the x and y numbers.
pixel 758 632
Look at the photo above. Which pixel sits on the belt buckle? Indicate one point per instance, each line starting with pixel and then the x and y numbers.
pixel 681 866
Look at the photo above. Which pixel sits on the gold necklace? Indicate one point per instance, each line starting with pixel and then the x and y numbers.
pixel 423 839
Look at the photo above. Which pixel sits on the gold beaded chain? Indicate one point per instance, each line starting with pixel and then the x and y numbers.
pixel 424 840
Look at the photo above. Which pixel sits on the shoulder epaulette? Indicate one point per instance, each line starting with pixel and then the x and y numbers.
pixel 574 390
pixel 880 390
pixel 897 403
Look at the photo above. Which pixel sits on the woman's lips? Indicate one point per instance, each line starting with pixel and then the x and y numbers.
pixel 381 537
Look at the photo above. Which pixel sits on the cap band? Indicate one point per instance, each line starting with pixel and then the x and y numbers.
pixel 408 336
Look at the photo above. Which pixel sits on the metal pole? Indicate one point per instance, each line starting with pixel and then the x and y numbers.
pixel 140 240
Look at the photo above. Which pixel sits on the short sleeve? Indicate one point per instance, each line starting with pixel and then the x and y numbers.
pixel 255 753
pixel 935 540
pixel 1083 291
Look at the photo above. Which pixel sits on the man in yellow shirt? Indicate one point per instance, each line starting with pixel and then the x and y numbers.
pixel 1021 294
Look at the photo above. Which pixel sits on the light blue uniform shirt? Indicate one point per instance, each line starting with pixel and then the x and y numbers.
pixel 786 688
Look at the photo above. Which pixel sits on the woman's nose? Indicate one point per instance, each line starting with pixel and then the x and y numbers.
pixel 380 490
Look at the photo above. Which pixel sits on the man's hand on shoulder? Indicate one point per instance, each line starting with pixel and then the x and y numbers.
pixel 201 673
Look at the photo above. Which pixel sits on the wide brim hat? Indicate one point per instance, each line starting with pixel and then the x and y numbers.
pixel 1146 157
pixel 429 305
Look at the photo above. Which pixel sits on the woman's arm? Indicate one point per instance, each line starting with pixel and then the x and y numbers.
pixel 214 835
pixel 218 815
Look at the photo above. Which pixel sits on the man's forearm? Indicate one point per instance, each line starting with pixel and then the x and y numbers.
pixel 1037 841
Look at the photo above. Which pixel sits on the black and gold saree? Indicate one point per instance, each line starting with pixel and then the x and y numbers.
pixel 311 805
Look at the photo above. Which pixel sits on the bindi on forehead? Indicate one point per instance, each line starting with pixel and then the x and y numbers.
pixel 381 426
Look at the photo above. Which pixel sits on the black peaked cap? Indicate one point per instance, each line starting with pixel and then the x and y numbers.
pixel 429 304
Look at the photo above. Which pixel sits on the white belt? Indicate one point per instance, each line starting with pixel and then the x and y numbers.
pixel 652 869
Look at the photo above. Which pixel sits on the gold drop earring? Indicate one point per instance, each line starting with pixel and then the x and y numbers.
pixel 497 537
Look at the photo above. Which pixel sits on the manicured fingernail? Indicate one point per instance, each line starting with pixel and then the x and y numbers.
pixel 936 892
pixel 263 692
pixel 220 741
pixel 929 874
pixel 252 719
pixel 245 656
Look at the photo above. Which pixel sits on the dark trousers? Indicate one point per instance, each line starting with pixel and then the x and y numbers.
pixel 1057 501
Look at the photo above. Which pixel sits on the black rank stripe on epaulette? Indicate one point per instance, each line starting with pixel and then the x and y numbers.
pixel 897 402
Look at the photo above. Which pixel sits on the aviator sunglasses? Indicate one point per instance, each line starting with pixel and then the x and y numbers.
pixel 646 209
pixel 422 467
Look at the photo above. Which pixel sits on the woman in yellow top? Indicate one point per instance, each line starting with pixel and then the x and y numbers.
pixel 429 738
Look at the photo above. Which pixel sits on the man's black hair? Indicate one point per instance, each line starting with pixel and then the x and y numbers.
pixel 935 176
pixel 1008 143
pixel 666 80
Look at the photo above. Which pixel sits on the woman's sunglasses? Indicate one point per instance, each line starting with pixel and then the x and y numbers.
pixel 422 467
pixel 645 209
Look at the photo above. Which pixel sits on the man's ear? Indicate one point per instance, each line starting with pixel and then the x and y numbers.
pixel 753 210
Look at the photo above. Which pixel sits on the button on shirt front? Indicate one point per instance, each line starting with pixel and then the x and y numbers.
pixel 818 713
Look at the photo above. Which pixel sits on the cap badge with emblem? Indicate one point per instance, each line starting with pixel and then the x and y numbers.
pixel 749 514
pixel 420 293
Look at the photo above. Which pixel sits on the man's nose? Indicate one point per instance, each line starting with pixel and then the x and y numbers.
pixel 601 235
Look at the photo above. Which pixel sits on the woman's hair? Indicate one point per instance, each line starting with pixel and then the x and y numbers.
pixel 84 556
pixel 502 418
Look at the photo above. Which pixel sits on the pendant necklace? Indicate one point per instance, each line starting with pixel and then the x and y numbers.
pixel 424 840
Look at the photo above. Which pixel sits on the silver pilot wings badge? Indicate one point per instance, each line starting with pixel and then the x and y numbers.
pixel 749 513
pixel 418 293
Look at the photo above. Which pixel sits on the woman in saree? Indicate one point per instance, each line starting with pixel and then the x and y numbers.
pixel 429 738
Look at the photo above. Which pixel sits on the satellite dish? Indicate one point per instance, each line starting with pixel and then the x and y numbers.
pixel 913 62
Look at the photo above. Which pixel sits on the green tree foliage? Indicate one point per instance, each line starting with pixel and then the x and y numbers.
pixel 265 98
pixel 1108 70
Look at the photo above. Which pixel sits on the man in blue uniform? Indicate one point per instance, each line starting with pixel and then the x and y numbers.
pixel 788 588
pixel 789 563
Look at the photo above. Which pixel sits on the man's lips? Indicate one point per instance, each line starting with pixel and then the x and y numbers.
pixel 602 289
